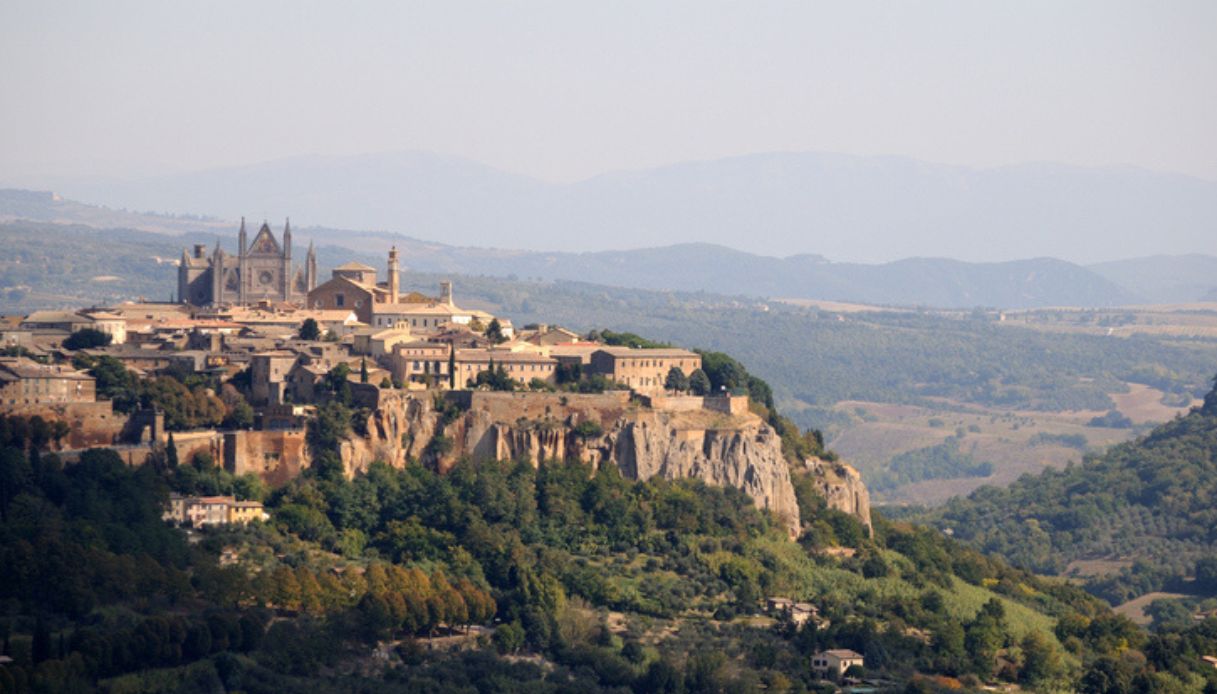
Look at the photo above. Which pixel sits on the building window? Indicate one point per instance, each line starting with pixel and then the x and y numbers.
pixel 340 300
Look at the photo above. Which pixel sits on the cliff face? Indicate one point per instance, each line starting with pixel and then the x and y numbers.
pixel 842 487
pixel 740 451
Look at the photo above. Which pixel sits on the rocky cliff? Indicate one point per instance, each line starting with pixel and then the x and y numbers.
pixel 740 451
pixel 842 487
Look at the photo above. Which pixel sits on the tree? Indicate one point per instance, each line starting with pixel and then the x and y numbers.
pixel 87 338
pixel 363 370
pixel 1210 400
pixel 699 383
pixel 240 416
pixel 509 638
pixel 676 381
pixel 337 382
pixel 1041 662
pixel 310 330
pixel 495 331
pixel 452 367
pixel 496 378
pixel 171 452
pixel 1206 574
pixel 40 649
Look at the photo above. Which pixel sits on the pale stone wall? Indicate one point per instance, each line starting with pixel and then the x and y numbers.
pixel 90 423
pixel 727 404
pixel 275 456
pixel 188 443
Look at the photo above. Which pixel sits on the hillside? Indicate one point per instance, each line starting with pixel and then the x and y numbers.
pixel 933 282
pixel 1164 278
pixel 1144 511
pixel 841 206
pixel 501 575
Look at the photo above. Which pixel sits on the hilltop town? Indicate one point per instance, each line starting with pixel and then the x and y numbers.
pixel 261 372
pixel 257 348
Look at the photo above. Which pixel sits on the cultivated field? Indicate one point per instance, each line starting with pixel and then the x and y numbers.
pixel 1015 442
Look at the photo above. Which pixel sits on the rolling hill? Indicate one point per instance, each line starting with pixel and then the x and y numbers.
pixel 1144 511
pixel 842 206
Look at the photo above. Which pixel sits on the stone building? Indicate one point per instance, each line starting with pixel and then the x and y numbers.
pixel 26 382
pixel 833 663
pixel 269 376
pixel 644 370
pixel 421 363
pixel 261 271
pixel 521 366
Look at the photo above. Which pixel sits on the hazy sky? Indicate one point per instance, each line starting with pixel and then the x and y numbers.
pixel 565 90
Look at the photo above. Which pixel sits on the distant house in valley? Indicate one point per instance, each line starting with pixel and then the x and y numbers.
pixel 833 664
pixel 202 511
pixel 799 612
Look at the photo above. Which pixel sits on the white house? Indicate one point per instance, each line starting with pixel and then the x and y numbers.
pixel 832 664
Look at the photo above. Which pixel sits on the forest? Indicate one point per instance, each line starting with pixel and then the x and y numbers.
pixel 1149 502
pixel 614 585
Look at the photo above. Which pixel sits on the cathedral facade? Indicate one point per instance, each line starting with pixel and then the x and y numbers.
pixel 260 271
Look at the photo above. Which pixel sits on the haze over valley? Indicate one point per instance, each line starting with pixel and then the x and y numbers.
pixel 682 347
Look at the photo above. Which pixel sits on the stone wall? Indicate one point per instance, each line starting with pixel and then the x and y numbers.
pixel 727 404
pixel 90 423
pixel 275 456
pixel 188 443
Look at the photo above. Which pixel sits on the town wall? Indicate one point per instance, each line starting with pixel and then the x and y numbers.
pixel 189 443
pixel 90 423
pixel 726 404
pixel 275 456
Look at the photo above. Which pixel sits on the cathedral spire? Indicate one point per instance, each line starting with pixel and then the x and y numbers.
pixel 241 238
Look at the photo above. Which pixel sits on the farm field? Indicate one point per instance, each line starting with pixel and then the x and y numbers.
pixel 1013 442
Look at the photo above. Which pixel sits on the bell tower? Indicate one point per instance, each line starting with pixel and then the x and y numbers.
pixel 394 278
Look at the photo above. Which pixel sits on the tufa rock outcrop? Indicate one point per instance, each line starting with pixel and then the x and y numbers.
pixel 842 488
pixel 739 450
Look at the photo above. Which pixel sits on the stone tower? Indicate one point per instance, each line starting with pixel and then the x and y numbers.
pixel 394 278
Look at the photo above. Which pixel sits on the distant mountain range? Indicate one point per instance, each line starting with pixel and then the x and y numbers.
pixel 932 282
pixel 844 207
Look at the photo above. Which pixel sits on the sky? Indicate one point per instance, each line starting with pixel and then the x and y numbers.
pixel 567 90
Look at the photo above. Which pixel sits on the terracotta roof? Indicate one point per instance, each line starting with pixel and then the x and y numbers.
pixel 55 317
pixel 480 355
pixel 24 368
pixel 648 352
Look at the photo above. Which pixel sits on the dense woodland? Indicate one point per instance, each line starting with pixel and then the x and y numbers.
pixel 98 592
pixel 1152 501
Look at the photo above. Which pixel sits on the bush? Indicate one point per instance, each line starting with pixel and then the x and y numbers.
pixel 87 338
pixel 588 429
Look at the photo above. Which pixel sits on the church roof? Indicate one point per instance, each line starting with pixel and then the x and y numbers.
pixel 264 243
pixel 356 266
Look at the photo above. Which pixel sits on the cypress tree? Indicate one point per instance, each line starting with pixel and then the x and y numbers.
pixel 452 367
pixel 171 452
